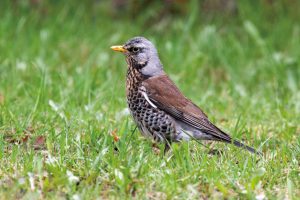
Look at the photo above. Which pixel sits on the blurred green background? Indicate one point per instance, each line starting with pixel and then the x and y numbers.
pixel 62 94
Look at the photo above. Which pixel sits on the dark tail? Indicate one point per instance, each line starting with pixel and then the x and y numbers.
pixel 222 136
pixel 252 150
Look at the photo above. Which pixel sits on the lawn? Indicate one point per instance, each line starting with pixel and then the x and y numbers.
pixel 65 132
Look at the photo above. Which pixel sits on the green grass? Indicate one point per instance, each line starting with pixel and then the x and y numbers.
pixel 62 94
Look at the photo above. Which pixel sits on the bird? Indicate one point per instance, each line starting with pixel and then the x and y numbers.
pixel 160 110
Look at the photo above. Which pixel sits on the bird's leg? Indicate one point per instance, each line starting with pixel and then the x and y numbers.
pixel 167 147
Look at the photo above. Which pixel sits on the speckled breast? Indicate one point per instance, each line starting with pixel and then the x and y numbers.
pixel 152 122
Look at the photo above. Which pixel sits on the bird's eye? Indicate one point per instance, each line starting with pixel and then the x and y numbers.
pixel 135 49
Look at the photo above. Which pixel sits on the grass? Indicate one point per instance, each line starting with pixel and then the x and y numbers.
pixel 62 95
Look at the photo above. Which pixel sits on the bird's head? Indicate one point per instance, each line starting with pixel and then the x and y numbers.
pixel 142 55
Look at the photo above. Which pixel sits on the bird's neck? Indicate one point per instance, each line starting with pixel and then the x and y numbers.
pixel 137 74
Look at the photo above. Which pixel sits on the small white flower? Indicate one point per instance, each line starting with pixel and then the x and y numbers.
pixel 71 177
pixel 119 174
pixel 51 160
pixel 260 196
pixel 76 197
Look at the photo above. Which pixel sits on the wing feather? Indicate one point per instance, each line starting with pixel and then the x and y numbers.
pixel 165 95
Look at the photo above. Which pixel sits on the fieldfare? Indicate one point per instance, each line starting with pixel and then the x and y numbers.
pixel 159 109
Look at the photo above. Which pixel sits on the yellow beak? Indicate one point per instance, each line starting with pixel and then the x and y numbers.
pixel 119 48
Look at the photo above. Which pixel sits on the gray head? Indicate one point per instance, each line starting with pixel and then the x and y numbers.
pixel 141 54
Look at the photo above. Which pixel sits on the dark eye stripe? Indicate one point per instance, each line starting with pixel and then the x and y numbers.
pixel 135 49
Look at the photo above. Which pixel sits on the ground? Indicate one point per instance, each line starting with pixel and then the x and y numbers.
pixel 65 131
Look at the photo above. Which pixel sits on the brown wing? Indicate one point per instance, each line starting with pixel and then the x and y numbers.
pixel 166 96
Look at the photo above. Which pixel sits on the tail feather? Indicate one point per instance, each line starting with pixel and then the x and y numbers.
pixel 250 149
pixel 216 134
pixel 228 139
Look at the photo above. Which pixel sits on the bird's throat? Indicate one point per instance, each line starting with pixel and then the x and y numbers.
pixel 133 80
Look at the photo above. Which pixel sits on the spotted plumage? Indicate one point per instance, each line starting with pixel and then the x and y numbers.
pixel 160 110
pixel 152 122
